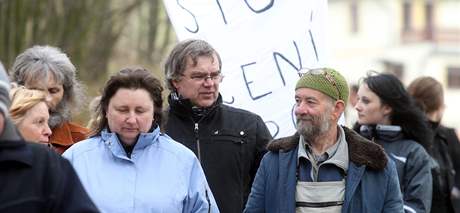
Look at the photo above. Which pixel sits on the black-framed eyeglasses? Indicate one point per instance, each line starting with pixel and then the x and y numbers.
pixel 323 72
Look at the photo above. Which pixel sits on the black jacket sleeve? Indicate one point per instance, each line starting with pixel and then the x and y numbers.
pixel 453 145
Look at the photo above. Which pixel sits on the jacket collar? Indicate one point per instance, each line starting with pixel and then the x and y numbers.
pixel 387 133
pixel 15 151
pixel 360 150
pixel 441 132
pixel 183 107
pixel 145 139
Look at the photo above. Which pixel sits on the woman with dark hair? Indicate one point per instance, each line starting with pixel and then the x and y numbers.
pixel 128 165
pixel 388 116
pixel 429 97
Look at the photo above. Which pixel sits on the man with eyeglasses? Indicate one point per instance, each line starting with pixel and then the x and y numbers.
pixel 324 167
pixel 229 142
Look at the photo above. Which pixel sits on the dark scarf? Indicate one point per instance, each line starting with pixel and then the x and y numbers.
pixel 185 105
pixel 381 132
pixel 434 125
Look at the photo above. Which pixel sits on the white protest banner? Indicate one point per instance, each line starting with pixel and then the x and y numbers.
pixel 263 44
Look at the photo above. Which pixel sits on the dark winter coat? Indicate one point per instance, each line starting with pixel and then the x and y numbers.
pixel 229 143
pixel 446 152
pixel 33 178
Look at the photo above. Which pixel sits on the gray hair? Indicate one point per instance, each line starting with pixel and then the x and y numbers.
pixel 38 62
pixel 177 60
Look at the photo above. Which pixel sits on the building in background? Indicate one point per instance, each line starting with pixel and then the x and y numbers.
pixel 410 38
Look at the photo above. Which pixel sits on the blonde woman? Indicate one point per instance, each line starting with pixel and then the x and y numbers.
pixel 29 112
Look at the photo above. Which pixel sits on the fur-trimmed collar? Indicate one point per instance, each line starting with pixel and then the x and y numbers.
pixel 360 150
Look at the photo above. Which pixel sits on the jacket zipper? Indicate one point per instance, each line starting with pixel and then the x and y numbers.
pixel 198 148
pixel 199 158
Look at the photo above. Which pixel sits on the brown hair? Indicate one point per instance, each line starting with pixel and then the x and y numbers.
pixel 129 78
pixel 428 93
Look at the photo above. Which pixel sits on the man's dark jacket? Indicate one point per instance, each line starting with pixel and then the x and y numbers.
pixel 448 176
pixel 230 143
pixel 33 178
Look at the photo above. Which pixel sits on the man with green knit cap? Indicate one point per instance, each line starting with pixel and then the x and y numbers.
pixel 324 167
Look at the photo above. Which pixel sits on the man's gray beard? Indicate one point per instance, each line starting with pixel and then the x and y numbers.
pixel 318 126
pixel 60 115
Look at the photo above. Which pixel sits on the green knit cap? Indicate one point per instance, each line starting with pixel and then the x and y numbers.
pixel 323 80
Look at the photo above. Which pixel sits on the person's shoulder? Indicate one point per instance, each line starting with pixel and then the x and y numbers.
pixel 411 151
pixel 174 148
pixel 46 160
pixel 363 151
pixel 83 146
pixel 42 152
pixel 419 150
pixel 446 128
pixel 77 128
pixel 447 132
pixel 405 145
pixel 237 111
pixel 76 131
pixel 411 146
pixel 284 144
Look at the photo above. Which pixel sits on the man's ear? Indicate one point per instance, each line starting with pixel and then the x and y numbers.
pixel 339 108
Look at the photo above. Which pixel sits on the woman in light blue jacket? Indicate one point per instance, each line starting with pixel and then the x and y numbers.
pixel 129 165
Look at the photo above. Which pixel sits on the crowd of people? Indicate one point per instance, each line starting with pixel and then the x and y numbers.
pixel 201 155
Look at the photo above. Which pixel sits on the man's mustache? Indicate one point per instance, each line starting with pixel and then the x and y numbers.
pixel 305 118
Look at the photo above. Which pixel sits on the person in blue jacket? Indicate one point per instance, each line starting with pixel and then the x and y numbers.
pixel 388 116
pixel 324 167
pixel 128 165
